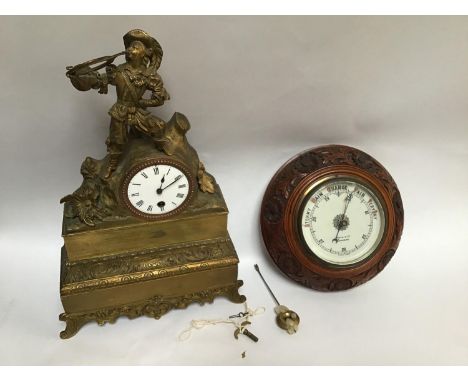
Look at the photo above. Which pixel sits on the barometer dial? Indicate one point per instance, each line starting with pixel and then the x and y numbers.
pixel 332 218
pixel 342 221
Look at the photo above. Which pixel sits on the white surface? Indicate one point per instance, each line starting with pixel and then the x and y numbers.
pixel 141 188
pixel 257 90
pixel 364 222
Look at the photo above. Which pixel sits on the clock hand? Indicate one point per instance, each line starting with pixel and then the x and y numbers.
pixel 170 184
pixel 160 189
pixel 340 223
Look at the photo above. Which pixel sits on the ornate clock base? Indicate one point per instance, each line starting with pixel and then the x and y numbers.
pixel 148 282
pixel 154 307
pixel 125 265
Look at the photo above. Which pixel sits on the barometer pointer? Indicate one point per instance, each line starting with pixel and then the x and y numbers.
pixel 340 224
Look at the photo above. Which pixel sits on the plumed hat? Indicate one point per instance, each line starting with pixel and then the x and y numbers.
pixel 149 42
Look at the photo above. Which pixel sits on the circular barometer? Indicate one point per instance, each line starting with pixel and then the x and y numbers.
pixel 332 218
pixel 157 188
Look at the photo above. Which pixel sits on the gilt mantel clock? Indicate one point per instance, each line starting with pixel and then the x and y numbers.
pixel 146 232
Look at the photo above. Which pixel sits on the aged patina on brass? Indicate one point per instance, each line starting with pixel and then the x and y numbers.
pixel 115 262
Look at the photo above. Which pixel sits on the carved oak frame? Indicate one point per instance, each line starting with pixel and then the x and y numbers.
pixel 282 201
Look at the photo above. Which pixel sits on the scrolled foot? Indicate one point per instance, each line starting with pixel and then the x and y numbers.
pixel 233 293
pixel 73 325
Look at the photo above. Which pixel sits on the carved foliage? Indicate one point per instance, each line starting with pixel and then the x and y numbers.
pixel 146 261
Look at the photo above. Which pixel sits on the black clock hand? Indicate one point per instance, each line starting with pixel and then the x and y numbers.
pixel 170 184
pixel 340 223
pixel 160 189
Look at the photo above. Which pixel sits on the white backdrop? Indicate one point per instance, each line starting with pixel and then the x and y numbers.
pixel 257 90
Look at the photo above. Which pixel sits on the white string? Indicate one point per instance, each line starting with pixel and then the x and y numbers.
pixel 200 324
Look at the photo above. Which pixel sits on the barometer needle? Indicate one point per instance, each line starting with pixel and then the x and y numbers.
pixel 340 223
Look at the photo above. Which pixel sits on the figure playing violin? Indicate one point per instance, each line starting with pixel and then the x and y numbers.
pixel 132 79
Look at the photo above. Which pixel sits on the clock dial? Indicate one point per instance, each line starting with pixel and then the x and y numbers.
pixel 158 189
pixel 342 221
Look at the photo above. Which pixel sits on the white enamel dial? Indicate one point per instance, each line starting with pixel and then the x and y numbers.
pixel 158 189
pixel 342 221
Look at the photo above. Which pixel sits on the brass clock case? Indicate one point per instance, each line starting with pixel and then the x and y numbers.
pixel 155 162
pixel 118 260
pixel 283 202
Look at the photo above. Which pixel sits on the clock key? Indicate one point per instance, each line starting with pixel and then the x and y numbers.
pixel 245 332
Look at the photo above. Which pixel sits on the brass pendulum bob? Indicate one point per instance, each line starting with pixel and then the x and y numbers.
pixel 285 318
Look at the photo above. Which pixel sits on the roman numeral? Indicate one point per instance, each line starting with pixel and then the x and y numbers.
pixel 182 185
pixel 162 208
pixel 136 194
pixel 143 174
pixel 136 184
pixel 150 208
pixel 140 203
pixel 179 195
pixel 156 170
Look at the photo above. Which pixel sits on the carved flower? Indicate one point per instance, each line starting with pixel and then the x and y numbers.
pixel 274 210
pixel 308 162
pixel 340 284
